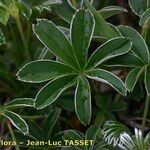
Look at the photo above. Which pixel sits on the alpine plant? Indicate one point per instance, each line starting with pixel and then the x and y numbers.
pixel 73 68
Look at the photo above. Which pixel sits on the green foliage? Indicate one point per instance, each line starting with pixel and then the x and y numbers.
pixel 82 73
pixel 107 108
pixel 14 118
pixel 145 17
pixel 110 11
pixel 139 6
pixel 75 57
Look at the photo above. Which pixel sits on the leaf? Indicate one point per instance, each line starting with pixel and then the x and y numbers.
pixel 50 122
pixel 64 11
pixel 76 4
pixel 101 25
pixel 111 132
pixel 147 37
pixel 4 15
pixel 17 121
pixel 99 37
pixel 2 38
pixel 117 106
pixel 132 78
pixel 51 91
pixel 91 134
pixel 110 11
pixel 20 102
pixel 115 29
pixel 55 40
pixel 40 2
pixel 112 48
pixel 24 8
pixel 83 101
pixel 108 78
pixel 139 45
pixel 35 130
pixel 139 6
pixel 82 28
pixel 65 30
pixel 145 17
pixel 147 79
pixel 50 2
pixel 43 70
pixel 136 95
pixel 126 60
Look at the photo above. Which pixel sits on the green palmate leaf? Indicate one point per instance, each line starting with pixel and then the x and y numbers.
pixel 81 34
pixel 110 11
pixel 108 50
pixel 108 78
pixel 51 91
pixel 17 121
pixel 127 60
pixel 83 100
pixel 55 40
pixel 20 102
pixel 132 78
pixel 4 15
pixel 50 122
pixel 145 17
pixel 139 45
pixel 147 80
pixel 2 38
pixel 139 6
pixel 101 25
pixel 43 70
